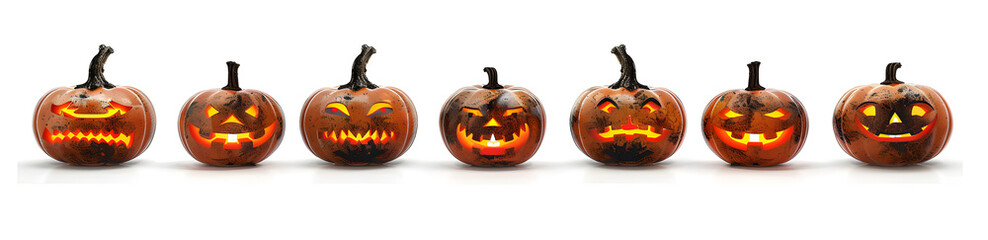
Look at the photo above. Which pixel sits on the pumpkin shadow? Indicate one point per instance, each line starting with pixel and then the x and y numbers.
pixel 925 173
pixel 49 171
pixel 596 172
pixel 330 173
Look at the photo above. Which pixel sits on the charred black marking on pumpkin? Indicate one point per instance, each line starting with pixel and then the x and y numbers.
pixel 96 68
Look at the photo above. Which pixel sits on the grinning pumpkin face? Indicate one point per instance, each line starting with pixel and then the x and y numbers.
pixel 892 123
pixel 231 126
pixel 359 123
pixel 755 126
pixel 95 123
pixel 492 125
pixel 627 123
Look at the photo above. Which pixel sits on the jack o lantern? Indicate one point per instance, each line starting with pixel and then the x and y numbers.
pixel 492 125
pixel 892 123
pixel 359 123
pixel 231 126
pixel 755 126
pixel 627 123
pixel 95 123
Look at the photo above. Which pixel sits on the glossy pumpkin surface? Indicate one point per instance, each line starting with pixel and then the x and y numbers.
pixel 492 125
pixel 892 123
pixel 627 123
pixel 359 123
pixel 231 126
pixel 95 123
pixel 755 126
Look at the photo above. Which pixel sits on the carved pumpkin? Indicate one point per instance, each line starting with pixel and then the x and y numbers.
pixel 492 125
pixel 755 126
pixel 627 123
pixel 359 123
pixel 892 123
pixel 231 126
pixel 95 123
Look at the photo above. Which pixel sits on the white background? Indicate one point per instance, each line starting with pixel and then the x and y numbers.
pixel 816 51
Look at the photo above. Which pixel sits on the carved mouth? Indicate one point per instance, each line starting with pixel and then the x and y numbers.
pixel 896 137
pixel 630 131
pixel 492 146
pixel 742 141
pixel 232 140
pixel 379 137
pixel 56 136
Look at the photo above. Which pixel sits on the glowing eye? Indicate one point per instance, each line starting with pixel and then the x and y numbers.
pixel 252 111
pixel 919 111
pixel 606 106
pixel 779 113
pixel 513 111
pixel 473 112
pixel 379 109
pixel 210 111
pixel 651 106
pixel 337 109
pixel 868 110
pixel 727 113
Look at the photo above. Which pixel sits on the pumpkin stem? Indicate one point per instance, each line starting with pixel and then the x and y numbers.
pixel 96 78
pixel 890 74
pixel 232 77
pixel 753 84
pixel 492 79
pixel 358 76
pixel 629 79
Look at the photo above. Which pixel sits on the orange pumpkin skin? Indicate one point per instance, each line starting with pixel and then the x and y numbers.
pixel 95 123
pixel 492 125
pixel 733 118
pixel 627 123
pixel 892 123
pixel 231 126
pixel 359 124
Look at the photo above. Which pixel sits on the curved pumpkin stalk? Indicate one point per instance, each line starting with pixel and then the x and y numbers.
pixel 358 76
pixel 629 79
pixel 96 78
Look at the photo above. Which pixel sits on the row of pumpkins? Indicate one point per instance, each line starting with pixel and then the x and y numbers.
pixel 492 125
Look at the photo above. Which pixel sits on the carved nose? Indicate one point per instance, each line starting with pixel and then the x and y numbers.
pixel 895 119
pixel 232 119
pixel 492 123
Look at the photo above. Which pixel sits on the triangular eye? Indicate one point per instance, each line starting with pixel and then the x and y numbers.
pixel 252 111
pixel 868 110
pixel 210 111
pixel 728 113
pixel 651 105
pixel 920 109
pixel 606 105
pixel 778 113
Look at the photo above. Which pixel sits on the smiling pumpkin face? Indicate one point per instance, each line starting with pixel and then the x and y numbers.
pixel 627 123
pixel 231 126
pixel 359 123
pixel 755 126
pixel 492 126
pixel 892 123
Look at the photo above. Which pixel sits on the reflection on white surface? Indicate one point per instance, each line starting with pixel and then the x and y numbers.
pixel 326 172
pixel 437 171
pixel 461 173
pixel 595 172
pixel 51 171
